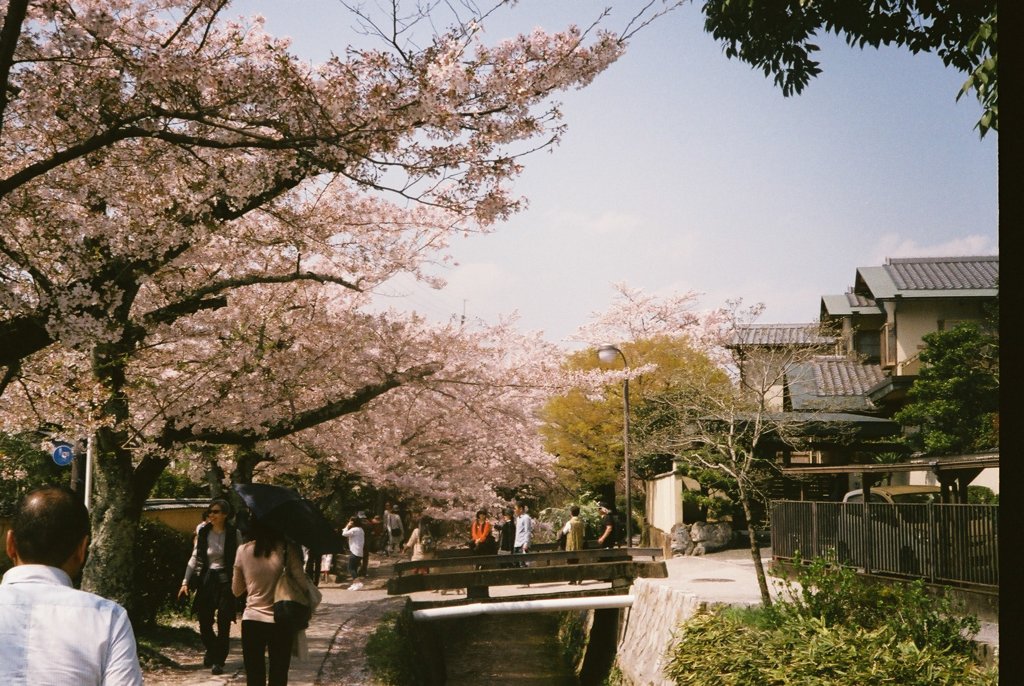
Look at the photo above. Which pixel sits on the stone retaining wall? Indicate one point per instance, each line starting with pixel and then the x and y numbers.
pixel 656 612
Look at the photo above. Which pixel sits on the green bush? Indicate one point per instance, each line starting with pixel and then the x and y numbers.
pixel 389 653
pixel 838 595
pixel 982 495
pixel 161 554
pixel 836 627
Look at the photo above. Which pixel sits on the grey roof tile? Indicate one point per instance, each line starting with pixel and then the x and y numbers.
pixel 781 334
pixel 834 383
pixel 944 273
pixel 841 376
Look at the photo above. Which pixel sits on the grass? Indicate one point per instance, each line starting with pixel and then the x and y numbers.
pixel 163 645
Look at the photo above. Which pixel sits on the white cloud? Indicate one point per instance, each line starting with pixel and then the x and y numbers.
pixel 611 223
pixel 893 245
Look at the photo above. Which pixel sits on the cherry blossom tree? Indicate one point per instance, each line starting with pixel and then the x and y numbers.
pixel 456 438
pixel 194 218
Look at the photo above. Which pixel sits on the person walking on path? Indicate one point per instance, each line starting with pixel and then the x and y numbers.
pixel 394 529
pixel 51 632
pixel 213 557
pixel 421 542
pixel 373 529
pixel 356 536
pixel 607 537
pixel 574 532
pixel 258 566
pixel 524 531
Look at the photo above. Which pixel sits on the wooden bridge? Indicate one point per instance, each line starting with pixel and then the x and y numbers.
pixel 478 573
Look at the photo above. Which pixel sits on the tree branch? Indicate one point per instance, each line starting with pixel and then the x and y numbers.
pixel 304 420
pixel 16 10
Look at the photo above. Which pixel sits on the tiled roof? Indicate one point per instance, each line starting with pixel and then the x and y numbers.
pixel 943 273
pixel 782 334
pixel 857 300
pixel 832 383
pixel 838 376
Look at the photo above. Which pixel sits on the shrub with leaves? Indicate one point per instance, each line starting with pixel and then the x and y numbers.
pixel 835 628
pixel 838 595
pixel 163 553
pixel 390 652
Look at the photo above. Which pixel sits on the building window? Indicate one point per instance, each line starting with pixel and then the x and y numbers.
pixel 888 343
pixel 869 345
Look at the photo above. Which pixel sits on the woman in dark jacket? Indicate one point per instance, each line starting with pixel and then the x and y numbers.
pixel 506 535
pixel 213 558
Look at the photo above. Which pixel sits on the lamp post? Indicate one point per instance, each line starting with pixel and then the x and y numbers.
pixel 607 354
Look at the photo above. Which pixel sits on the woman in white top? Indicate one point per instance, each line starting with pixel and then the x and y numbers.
pixel 213 555
pixel 258 566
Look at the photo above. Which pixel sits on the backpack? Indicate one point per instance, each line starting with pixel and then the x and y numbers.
pixel 427 542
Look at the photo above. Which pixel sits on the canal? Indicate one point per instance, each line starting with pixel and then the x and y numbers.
pixel 505 650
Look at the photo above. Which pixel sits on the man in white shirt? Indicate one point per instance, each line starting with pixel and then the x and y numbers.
pixel 356 536
pixel 524 530
pixel 51 633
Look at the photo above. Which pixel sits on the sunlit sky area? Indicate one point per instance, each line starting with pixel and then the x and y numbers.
pixel 684 170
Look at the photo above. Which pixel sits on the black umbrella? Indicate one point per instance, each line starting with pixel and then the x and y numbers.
pixel 291 515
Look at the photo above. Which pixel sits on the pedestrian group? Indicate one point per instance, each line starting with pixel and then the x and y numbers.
pixel 89 639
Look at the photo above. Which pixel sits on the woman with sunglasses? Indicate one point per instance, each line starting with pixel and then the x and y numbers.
pixel 213 558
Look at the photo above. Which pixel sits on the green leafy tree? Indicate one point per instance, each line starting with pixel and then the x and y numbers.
pixel 955 401
pixel 24 465
pixel 586 431
pixel 777 37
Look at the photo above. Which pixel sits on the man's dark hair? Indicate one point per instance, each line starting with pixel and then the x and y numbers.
pixel 49 524
pixel 574 510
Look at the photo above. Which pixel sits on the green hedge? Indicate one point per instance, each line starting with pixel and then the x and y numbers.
pixel 835 628
pixel 161 554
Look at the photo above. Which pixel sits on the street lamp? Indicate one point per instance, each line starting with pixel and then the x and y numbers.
pixel 607 354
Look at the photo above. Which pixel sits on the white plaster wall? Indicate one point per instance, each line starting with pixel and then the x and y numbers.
pixel 665 501
pixel 988 477
pixel 915 318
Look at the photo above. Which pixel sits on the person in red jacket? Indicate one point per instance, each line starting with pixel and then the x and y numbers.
pixel 483 542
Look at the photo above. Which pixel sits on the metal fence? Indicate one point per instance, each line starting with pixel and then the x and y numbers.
pixel 950 544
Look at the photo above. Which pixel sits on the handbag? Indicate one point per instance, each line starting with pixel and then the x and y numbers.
pixel 294 599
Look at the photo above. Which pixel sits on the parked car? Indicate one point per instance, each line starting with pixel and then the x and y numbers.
pixel 921 495
pixel 899 539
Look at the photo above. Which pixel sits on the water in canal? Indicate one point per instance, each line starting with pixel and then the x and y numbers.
pixel 506 650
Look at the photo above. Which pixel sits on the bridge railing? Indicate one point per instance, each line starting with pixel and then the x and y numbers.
pixel 477 573
pixel 449 561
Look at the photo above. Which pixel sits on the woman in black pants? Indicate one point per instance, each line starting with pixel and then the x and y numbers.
pixel 258 566
pixel 213 557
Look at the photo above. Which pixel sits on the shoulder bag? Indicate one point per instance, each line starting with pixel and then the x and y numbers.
pixel 294 599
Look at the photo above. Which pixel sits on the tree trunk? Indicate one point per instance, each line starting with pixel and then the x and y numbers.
pixel 214 476
pixel 755 549
pixel 115 513
pixel 120 488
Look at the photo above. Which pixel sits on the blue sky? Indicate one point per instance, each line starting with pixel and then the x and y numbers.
pixel 684 170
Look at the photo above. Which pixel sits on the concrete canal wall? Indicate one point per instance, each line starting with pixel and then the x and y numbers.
pixel 656 612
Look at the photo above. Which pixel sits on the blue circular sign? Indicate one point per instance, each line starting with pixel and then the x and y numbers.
pixel 63 454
